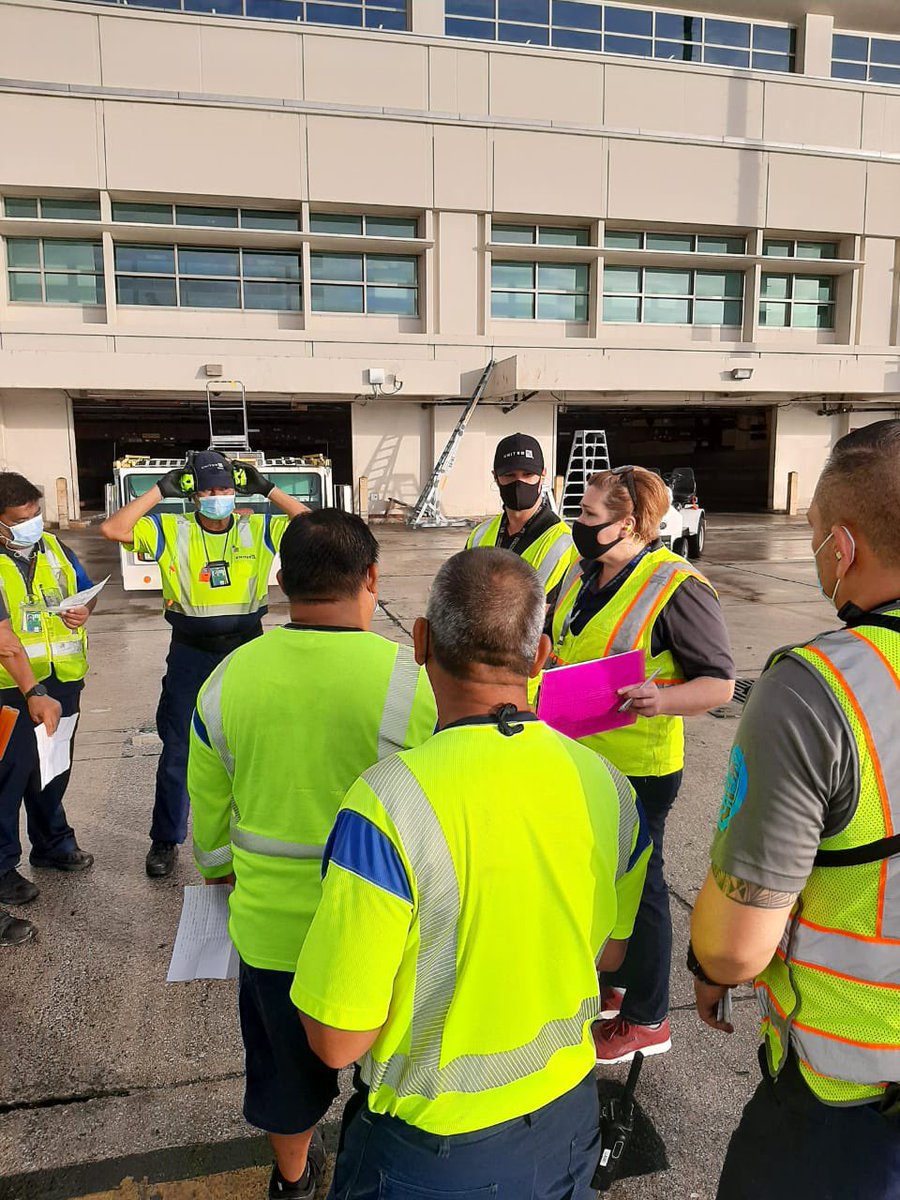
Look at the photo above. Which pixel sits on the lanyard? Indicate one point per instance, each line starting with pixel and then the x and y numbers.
pixel 228 534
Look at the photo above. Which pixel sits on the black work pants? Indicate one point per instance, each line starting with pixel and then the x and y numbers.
pixel 648 960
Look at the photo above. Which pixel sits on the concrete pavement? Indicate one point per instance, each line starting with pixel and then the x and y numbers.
pixel 115 1083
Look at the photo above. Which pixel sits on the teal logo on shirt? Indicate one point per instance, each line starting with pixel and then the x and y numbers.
pixel 736 785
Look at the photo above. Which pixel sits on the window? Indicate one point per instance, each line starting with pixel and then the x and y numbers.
pixel 662 296
pixel 139 213
pixel 674 243
pixel 371 14
pixel 789 248
pixel 797 302
pixel 539 291
pixel 539 235
pixel 620 29
pixel 52 210
pixel 377 284
pixel 192 277
pixel 54 271
pixel 345 225
pixel 866 59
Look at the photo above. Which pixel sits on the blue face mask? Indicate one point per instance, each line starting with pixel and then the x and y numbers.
pixel 27 533
pixel 216 507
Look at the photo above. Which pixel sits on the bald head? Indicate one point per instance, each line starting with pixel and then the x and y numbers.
pixel 487 608
pixel 860 487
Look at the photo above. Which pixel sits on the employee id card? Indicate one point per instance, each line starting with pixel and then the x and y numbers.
pixel 31 618
pixel 216 574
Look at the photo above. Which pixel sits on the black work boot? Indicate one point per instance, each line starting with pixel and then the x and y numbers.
pixel 13 931
pixel 305 1187
pixel 15 889
pixel 161 859
pixel 67 860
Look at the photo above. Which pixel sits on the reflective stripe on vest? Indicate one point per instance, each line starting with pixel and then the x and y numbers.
pixel 487 533
pixel 398 704
pixel 551 560
pixel 646 604
pixel 181 559
pixel 419 1073
pixel 480 533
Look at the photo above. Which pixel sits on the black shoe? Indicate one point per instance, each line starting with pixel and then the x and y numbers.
pixel 14 932
pixel 161 859
pixel 305 1187
pixel 15 889
pixel 69 860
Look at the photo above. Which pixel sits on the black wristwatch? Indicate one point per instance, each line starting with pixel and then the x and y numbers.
pixel 37 690
pixel 693 965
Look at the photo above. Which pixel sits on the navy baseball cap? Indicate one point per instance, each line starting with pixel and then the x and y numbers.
pixel 519 452
pixel 212 471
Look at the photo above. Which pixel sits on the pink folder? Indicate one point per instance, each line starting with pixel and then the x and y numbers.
pixel 583 699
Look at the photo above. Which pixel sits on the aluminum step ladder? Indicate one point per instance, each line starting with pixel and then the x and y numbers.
pixel 589 454
pixel 426 513
pixel 228 428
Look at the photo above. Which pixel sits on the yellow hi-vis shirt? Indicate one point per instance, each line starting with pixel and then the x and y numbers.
pixel 471 884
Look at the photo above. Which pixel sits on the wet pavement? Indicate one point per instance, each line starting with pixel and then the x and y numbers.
pixel 114 1082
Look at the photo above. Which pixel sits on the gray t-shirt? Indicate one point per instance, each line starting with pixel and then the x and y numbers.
pixel 793 779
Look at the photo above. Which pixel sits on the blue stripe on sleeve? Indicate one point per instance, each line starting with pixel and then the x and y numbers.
pixel 82 580
pixel 267 533
pixel 643 837
pixel 160 540
pixel 200 729
pixel 361 848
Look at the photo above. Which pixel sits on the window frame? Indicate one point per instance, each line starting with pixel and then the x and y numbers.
pixel 41 200
pixel 691 297
pixel 366 9
pixel 791 303
pixel 364 283
pixel 863 68
pixel 536 291
pixel 177 275
pixel 42 271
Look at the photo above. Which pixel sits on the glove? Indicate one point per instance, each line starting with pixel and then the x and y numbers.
pixel 170 485
pixel 249 482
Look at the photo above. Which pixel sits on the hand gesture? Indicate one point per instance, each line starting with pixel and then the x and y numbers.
pixel 170 484
pixel 249 482
pixel 646 699
pixel 46 711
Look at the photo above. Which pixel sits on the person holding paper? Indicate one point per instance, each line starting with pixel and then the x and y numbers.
pixel 527 525
pixel 37 572
pixel 630 593
pixel 281 730
pixel 214 566
pixel 471 883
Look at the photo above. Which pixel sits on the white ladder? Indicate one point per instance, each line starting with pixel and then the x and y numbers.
pixel 589 454
pixel 426 513
pixel 231 413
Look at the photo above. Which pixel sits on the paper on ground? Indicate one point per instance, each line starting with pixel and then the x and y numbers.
pixel 80 598
pixel 584 698
pixel 55 753
pixel 203 949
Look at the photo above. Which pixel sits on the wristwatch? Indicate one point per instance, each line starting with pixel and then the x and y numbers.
pixel 37 690
pixel 693 965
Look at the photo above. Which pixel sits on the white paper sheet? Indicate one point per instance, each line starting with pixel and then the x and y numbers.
pixel 79 598
pixel 203 949
pixel 55 753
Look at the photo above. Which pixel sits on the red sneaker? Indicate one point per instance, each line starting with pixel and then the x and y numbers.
pixel 618 1041
pixel 610 1002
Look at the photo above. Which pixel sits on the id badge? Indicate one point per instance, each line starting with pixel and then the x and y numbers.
pixel 32 620
pixel 219 575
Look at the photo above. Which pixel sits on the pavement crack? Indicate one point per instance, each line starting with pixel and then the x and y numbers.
pixel 394 620
pixel 112 1093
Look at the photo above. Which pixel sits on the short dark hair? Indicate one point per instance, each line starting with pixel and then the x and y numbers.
pixel 860 484
pixel 486 606
pixel 16 490
pixel 325 555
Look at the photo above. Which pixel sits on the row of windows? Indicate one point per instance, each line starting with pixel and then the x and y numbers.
pixel 371 14
pixel 868 59
pixel 661 242
pixel 616 29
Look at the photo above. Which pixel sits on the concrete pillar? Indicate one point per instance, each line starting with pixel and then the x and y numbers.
pixel 427 17
pixel 814 45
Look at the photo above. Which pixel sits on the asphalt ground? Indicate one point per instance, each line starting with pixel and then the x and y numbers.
pixel 115 1084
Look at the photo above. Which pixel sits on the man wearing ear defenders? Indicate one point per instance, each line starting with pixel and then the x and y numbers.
pixel 214 565
pixel 528 525
pixel 803 894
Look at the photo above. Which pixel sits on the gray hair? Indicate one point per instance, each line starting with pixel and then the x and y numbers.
pixel 486 606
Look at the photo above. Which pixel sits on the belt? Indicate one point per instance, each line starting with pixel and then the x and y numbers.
pixel 216 643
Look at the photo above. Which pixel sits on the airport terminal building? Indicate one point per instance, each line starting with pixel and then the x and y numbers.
pixel 680 225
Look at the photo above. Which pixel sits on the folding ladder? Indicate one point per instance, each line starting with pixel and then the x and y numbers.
pixel 426 513
pixel 589 454
pixel 228 429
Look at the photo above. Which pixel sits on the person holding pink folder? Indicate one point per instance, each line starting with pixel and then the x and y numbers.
pixel 628 592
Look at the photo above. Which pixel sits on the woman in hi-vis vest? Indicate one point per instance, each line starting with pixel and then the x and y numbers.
pixel 629 592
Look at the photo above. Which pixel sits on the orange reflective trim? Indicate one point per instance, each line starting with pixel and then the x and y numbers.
pixel 842 974
pixel 662 600
pixel 760 983
pixel 857 937
pixel 612 637
pixel 893 674
pixel 833 1037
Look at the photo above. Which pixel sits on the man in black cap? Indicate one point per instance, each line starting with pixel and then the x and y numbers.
pixel 214 566
pixel 528 525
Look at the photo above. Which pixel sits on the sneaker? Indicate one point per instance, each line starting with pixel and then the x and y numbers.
pixel 161 859
pixel 305 1187
pixel 617 1041
pixel 15 889
pixel 610 1002
pixel 14 932
pixel 69 860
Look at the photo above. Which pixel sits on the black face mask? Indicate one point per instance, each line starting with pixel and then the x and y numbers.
pixel 586 541
pixel 519 496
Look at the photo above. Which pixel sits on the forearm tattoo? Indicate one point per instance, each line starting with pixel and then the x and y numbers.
pixel 751 894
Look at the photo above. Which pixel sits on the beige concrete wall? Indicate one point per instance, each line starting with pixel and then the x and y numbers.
pixel 390 447
pixel 803 441
pixel 37 441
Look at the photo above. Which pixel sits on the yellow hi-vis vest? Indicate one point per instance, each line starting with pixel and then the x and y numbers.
pixel 655 745
pixel 550 555
pixel 833 988
pixel 53 647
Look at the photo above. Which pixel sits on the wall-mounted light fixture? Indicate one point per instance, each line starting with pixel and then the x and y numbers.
pixel 741 373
